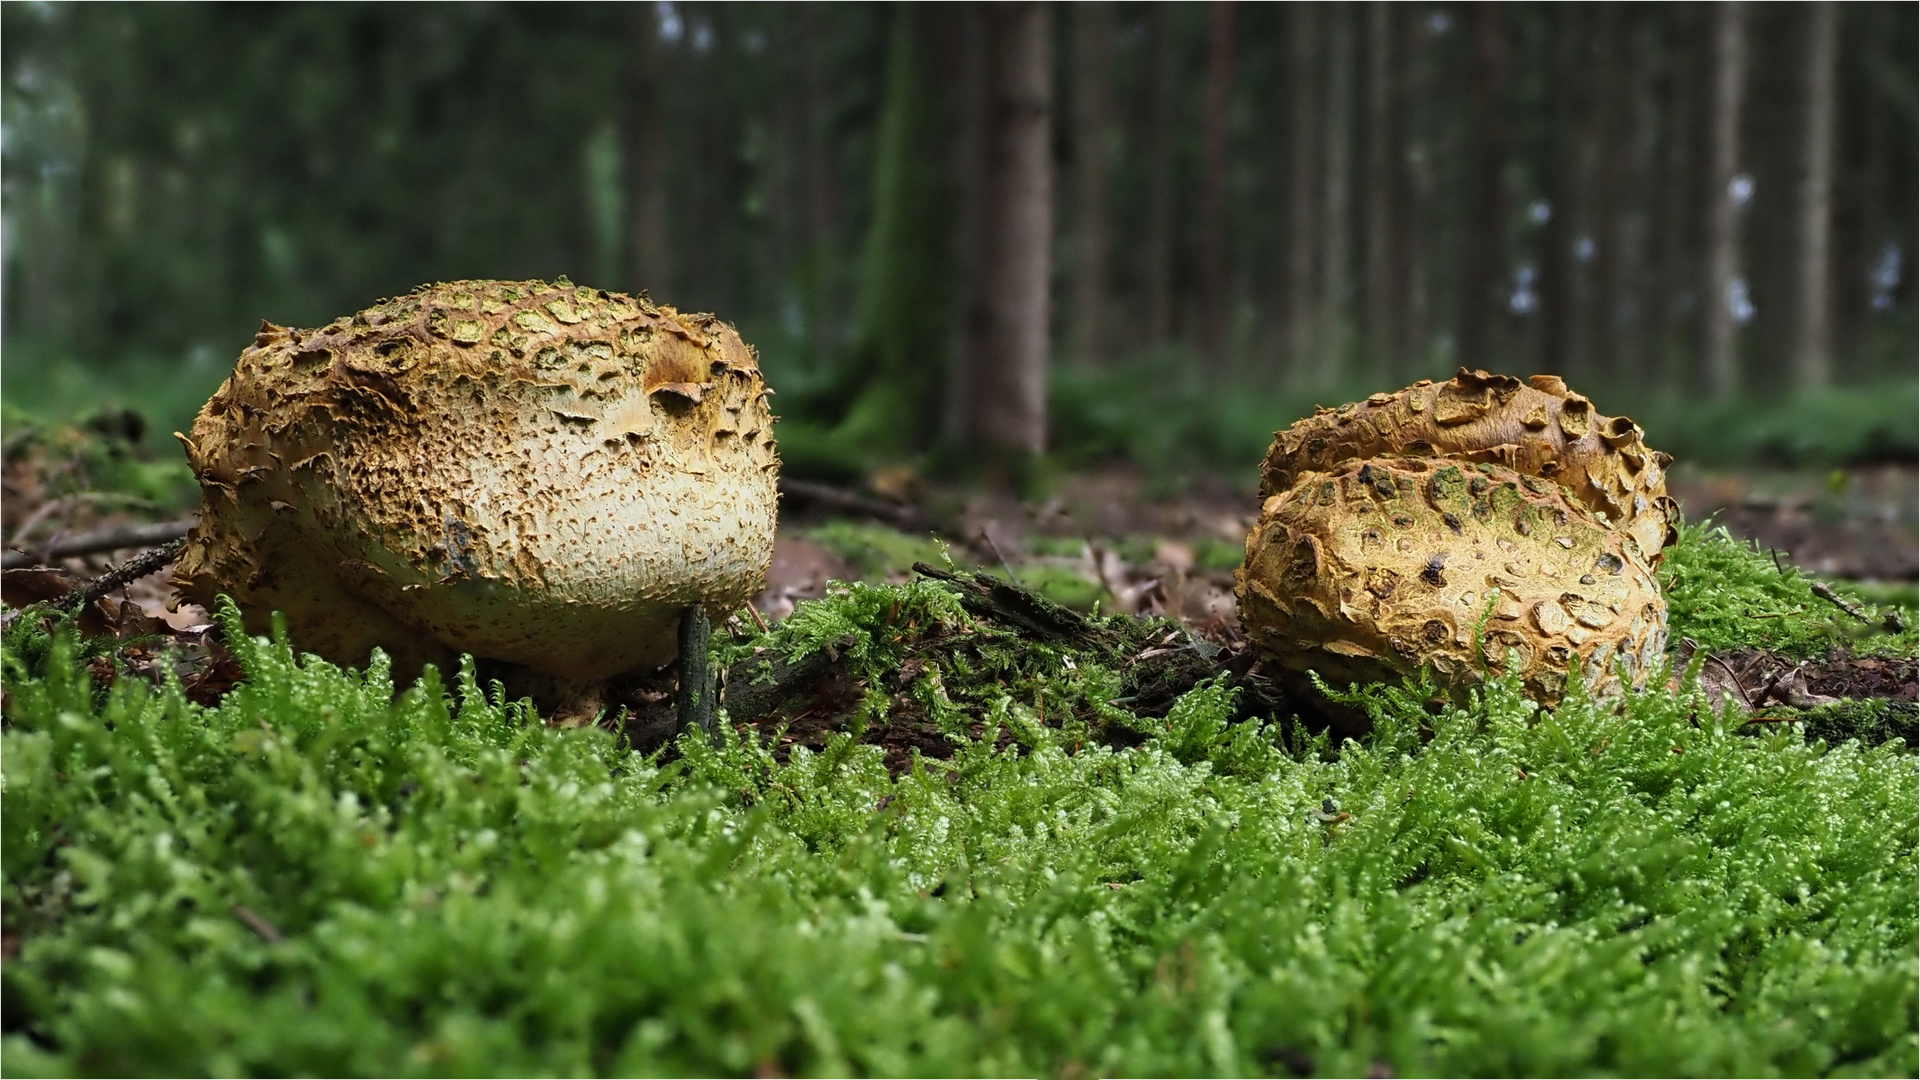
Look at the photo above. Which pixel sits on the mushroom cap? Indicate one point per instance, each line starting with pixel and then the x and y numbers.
pixel 1375 568
pixel 1539 428
pixel 536 473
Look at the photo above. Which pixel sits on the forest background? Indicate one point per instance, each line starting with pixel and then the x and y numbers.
pixel 1023 226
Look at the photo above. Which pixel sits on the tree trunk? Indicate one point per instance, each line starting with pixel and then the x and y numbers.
pixel 1336 285
pixel 1215 114
pixel 1413 187
pixel 1637 197
pixel 1679 276
pixel 1720 361
pixel 1812 347
pixel 1560 317
pixel 1382 312
pixel 1092 68
pixel 1162 88
pixel 1006 402
pixel 1486 201
pixel 648 265
pixel 1607 181
pixel 1296 302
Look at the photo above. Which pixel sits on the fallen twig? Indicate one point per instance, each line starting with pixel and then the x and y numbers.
pixel 110 538
pixel 147 562
pixel 267 931
pixel 1825 592
pixel 840 499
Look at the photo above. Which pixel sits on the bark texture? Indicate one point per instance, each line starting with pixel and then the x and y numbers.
pixel 1007 328
pixel 1214 119
pixel 1296 300
pixel 1812 330
pixel 1719 359
pixel 1093 121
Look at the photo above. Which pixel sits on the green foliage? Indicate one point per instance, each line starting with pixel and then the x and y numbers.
pixel 876 551
pixel 326 876
pixel 1837 426
pixel 103 455
pixel 1063 585
pixel 1724 595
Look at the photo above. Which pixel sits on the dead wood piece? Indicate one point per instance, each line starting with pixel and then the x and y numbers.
pixel 834 498
pixel 758 685
pixel 989 597
pixel 1825 592
pixel 109 538
pixel 147 562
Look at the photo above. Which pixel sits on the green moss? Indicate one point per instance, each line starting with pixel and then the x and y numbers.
pixel 876 551
pixel 1216 555
pixel 1724 594
pixel 324 875
pixel 1063 586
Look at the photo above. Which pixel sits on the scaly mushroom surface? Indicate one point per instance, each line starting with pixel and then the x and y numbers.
pixel 534 473
pixel 1373 569
pixel 1539 428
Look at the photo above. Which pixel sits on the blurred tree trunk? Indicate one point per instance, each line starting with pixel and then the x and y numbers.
pixel 1215 114
pixel 1720 361
pixel 1486 194
pixel 1296 301
pixel 643 120
pixel 1383 315
pixel 1679 202
pixel 1608 174
pixel 1812 346
pixel 890 388
pixel 1005 407
pixel 1093 116
pixel 1633 224
pixel 1560 317
pixel 1336 262
pixel 1413 175
pixel 1161 93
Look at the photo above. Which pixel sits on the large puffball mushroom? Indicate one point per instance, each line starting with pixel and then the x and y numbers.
pixel 1376 568
pixel 533 473
pixel 1539 428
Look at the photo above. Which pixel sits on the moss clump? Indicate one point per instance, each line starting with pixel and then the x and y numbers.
pixel 325 876
pixel 874 551
pixel 1727 595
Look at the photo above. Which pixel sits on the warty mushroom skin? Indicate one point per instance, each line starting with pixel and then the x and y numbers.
pixel 1539 428
pixel 1375 568
pixel 539 474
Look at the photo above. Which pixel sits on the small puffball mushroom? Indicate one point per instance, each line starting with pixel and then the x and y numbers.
pixel 533 473
pixel 1375 568
pixel 1539 428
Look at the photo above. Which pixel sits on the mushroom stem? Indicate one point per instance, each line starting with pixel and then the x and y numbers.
pixel 696 677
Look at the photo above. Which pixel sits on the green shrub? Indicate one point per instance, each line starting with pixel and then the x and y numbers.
pixel 325 876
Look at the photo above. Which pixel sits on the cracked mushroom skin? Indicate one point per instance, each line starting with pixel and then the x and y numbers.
pixel 1539 428
pixel 538 474
pixel 1371 570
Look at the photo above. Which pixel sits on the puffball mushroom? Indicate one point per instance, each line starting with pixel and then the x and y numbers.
pixel 1375 568
pixel 1539 428
pixel 534 473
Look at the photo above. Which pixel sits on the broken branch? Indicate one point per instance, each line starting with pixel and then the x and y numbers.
pixel 110 538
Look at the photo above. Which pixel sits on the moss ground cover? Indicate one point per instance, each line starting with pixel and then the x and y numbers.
pixel 1724 594
pixel 326 875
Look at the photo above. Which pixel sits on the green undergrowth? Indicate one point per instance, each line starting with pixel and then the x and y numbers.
pixel 327 875
pixel 1725 594
pixel 878 553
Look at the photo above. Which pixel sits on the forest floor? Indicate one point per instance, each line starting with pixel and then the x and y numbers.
pixel 963 825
